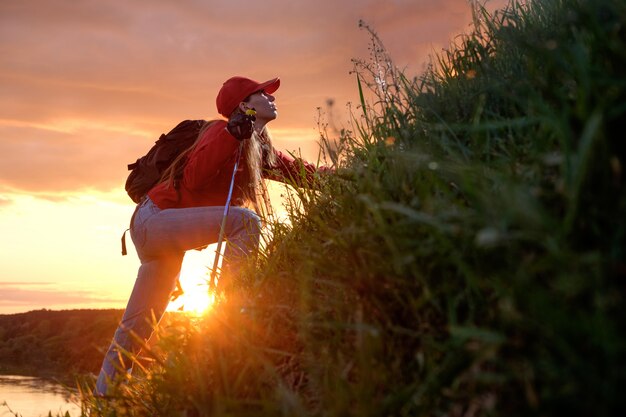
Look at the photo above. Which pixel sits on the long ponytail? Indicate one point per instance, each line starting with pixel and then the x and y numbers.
pixel 259 154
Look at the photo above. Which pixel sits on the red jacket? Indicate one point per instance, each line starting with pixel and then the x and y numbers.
pixel 209 169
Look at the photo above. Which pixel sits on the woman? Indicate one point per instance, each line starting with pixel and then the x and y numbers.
pixel 185 210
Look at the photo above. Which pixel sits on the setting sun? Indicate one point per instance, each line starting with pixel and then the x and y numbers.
pixel 194 278
pixel 197 301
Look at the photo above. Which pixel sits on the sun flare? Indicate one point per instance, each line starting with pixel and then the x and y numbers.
pixel 194 278
pixel 196 301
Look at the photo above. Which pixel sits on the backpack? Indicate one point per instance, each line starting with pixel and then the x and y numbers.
pixel 147 171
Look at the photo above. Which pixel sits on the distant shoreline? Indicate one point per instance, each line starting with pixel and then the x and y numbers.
pixel 55 344
pixel 47 310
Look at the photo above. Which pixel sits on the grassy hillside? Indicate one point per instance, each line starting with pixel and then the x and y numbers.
pixel 468 258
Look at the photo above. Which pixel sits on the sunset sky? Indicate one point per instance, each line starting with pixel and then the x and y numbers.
pixel 86 87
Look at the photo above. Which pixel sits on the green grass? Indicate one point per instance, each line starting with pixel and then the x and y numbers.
pixel 467 260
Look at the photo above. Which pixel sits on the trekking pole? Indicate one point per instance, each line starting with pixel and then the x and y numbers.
pixel 220 239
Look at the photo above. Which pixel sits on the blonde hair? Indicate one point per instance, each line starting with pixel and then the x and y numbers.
pixel 259 155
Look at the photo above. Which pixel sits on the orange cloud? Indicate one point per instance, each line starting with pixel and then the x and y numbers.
pixel 88 86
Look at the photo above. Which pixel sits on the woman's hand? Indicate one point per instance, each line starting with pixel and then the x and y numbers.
pixel 241 126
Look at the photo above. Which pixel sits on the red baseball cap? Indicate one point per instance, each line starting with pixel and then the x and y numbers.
pixel 236 89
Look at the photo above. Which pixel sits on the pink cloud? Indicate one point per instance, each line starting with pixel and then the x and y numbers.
pixel 47 294
pixel 4 201
pixel 120 72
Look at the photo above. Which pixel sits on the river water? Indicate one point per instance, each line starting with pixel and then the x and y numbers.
pixel 34 397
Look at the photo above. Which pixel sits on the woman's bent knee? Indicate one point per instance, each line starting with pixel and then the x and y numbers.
pixel 245 219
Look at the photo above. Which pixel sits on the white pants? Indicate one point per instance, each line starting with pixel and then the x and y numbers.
pixel 161 238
